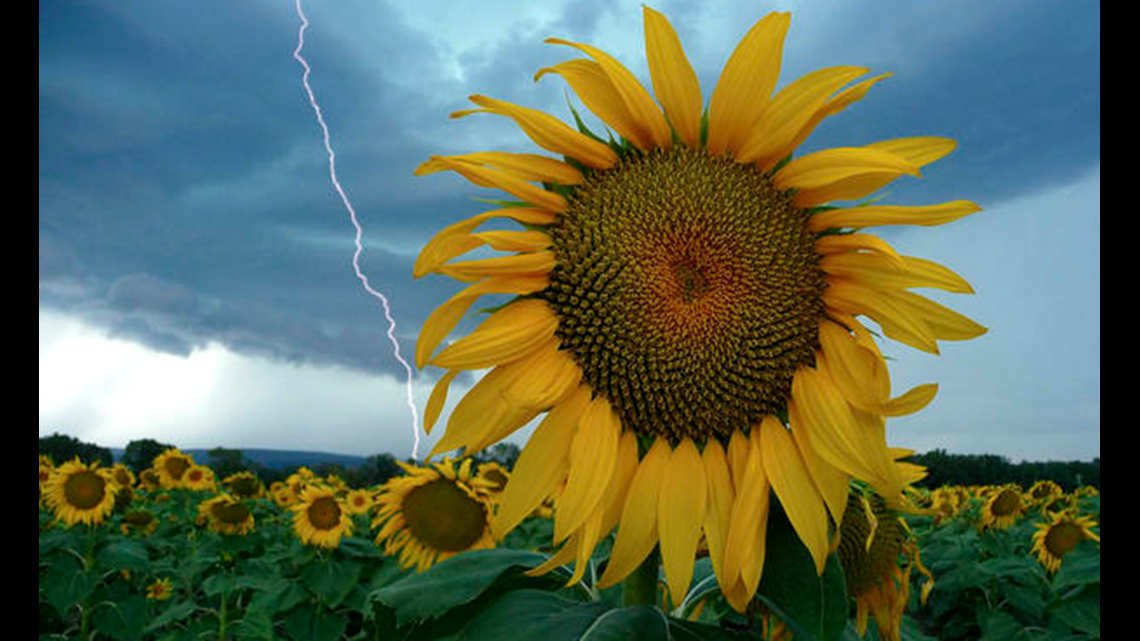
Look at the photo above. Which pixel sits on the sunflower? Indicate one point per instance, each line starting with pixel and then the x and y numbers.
pixel 160 590
pixel 1003 507
pixel 1042 491
pixel 227 514
pixel 282 494
pixel 433 513
pixel 139 522
pixel 319 518
pixel 199 478
pixel 358 501
pixel 872 536
pixel 81 493
pixel 496 474
pixel 1059 535
pixel 244 485
pixel 171 465
pixel 687 308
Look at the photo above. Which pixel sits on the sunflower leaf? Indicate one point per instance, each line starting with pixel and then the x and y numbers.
pixel 526 615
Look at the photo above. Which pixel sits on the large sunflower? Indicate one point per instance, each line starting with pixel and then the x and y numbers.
pixel 433 513
pixel 81 493
pixel 1058 535
pixel 688 309
pixel 320 519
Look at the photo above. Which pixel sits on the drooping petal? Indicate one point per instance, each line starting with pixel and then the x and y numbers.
pixel 590 82
pixel 548 132
pixel 880 271
pixel 833 106
pixel 898 320
pixel 746 83
pixel 542 464
pixel 823 168
pixel 593 454
pixel 831 482
pixel 515 241
pixel 945 323
pixel 789 111
pixel 878 215
pixel 445 317
pixel 480 411
pixel 792 483
pixel 529 264
pixel 921 150
pixel 456 239
pixel 744 549
pixel 547 376
pixel 674 82
pixel 507 181
pixel 650 121
pixel 507 335
pixel 680 515
pixel 843 243
pixel 718 516
pixel 637 531
pixel 524 166
pixel 437 399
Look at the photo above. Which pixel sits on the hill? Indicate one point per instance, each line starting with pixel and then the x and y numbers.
pixel 276 459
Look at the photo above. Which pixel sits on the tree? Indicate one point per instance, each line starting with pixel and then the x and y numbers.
pixel 62 448
pixel 225 462
pixel 139 454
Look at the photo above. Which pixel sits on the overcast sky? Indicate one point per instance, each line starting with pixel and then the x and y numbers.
pixel 195 262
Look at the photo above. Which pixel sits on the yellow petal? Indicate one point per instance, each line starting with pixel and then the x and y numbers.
pixel 546 376
pixel 746 83
pixel 624 470
pixel 882 272
pixel 737 458
pixel 593 455
pixel 507 181
pixel 637 100
pixel 945 323
pixel 843 243
pixel 475 413
pixel 590 82
pixel 445 317
pixel 542 465
pixel 524 166
pixel 719 512
pixel 912 401
pixel 831 482
pixel 877 215
pixel 792 483
pixel 897 320
pixel 747 534
pixel 833 106
pixel 529 264
pixel 507 335
pixel 790 111
pixel 854 369
pixel 548 132
pixel 637 533
pixel 680 515
pixel 674 82
pixel 437 399
pixel 921 150
pixel 515 241
pixel 823 168
pixel 455 239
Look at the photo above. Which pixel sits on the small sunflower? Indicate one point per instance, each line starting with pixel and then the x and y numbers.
pixel 227 514
pixel 432 514
pixel 150 480
pixel 687 310
pixel 872 538
pixel 358 501
pixel 171 466
pixel 81 493
pixel 1042 491
pixel 282 494
pixel 199 478
pixel 124 477
pixel 139 522
pixel 495 474
pixel 1003 507
pixel 319 518
pixel 244 485
pixel 160 590
pixel 1057 537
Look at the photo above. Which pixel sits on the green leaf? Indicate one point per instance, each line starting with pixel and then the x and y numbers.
pixel 682 630
pixel 454 582
pixel 257 624
pixel 1082 614
pixel 531 615
pixel 814 606
pixel 176 612
pixel 638 622
pixel 67 584
pixel 123 620
pixel 331 580
pixel 1081 566
pixel 306 625
pixel 125 554
pixel 999 626
pixel 279 596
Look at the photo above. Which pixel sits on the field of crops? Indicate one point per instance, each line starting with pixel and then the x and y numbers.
pixel 199 558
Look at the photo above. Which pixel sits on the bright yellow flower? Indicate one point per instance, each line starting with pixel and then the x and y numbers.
pixel 81 493
pixel 358 501
pixel 160 590
pixel 319 518
pixel 171 465
pixel 1059 535
pixel 227 515
pixel 1003 507
pixel 687 314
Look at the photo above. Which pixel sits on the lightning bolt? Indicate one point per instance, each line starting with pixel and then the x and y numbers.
pixel 359 232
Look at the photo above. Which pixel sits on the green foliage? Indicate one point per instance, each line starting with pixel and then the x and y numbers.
pixel 990 469
pixel 62 448
pixel 140 453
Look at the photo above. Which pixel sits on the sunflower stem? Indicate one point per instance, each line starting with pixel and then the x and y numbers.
pixel 640 587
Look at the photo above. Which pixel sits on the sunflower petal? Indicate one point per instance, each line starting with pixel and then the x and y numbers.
pixel 542 465
pixel 824 168
pixel 507 181
pixel 515 241
pixel 921 150
pixel 898 320
pixel 507 335
pixel 792 483
pixel 529 264
pixel 836 104
pixel 546 377
pixel 747 534
pixel 455 239
pixel 592 457
pixel 637 532
pixel 882 272
pixel 437 399
pixel 843 243
pixel 720 498
pixel 745 84
pixel 674 82
pixel 644 112
pixel 548 132
pixel 680 514
pixel 524 166
pixel 790 111
pixel 593 86
pixel 831 482
pixel 445 317
pixel 945 323
pixel 878 215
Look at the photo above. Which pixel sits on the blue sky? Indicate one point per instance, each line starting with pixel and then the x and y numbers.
pixel 195 263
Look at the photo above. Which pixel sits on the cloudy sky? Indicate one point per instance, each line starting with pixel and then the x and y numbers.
pixel 196 282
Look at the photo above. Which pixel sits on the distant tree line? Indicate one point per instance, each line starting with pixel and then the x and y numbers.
pixel 990 469
pixel 139 454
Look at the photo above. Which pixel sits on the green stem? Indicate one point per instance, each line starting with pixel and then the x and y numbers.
pixel 640 587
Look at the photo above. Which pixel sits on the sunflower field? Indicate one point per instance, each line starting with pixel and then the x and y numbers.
pixel 177 554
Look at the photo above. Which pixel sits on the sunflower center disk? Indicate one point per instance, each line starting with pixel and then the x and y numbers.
pixel 324 513
pixel 1063 537
pixel 84 490
pixel 688 290
pixel 444 516
pixel 231 513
